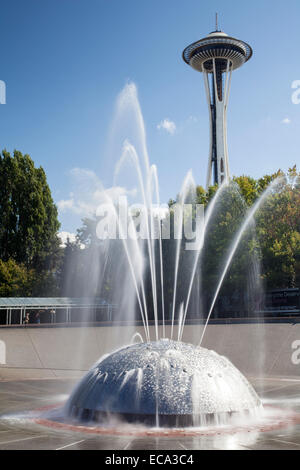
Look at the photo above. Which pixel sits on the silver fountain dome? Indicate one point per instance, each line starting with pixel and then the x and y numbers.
pixel 165 383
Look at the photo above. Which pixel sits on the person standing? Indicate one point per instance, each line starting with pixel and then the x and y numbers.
pixel 53 315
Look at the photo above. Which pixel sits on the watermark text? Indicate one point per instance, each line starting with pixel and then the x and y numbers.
pixel 138 222
pixel 2 92
pixel 296 354
pixel 296 93
pixel 2 352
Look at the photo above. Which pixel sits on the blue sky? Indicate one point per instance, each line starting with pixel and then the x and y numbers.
pixel 65 61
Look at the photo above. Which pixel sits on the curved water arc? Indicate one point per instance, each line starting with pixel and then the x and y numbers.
pixel 130 153
pixel 153 174
pixel 186 186
pixel 210 210
pixel 235 245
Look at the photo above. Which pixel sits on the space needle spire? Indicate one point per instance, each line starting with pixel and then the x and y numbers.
pixel 216 56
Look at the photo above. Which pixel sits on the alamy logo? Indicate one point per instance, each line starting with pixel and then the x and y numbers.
pixel 2 352
pixel 296 354
pixel 2 92
pixel 137 222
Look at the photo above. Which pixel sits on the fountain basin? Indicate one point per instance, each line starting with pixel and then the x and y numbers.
pixel 163 383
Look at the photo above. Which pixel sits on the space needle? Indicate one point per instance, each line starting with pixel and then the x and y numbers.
pixel 216 56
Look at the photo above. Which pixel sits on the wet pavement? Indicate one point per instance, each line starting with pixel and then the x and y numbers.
pixel 17 432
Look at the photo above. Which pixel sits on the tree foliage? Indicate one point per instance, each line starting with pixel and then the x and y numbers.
pixel 15 279
pixel 268 253
pixel 28 220
pixel 33 263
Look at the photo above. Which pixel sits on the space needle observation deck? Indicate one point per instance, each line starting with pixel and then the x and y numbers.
pixel 216 56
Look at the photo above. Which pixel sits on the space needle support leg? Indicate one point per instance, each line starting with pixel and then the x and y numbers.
pixel 226 98
pixel 209 168
pixel 227 84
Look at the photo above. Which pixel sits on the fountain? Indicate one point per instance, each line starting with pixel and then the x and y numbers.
pixel 163 382
pixel 164 371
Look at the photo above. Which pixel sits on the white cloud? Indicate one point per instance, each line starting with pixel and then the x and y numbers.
pixel 167 125
pixel 65 204
pixel 76 206
pixel 286 121
pixel 64 236
pixel 84 175
pixel 89 193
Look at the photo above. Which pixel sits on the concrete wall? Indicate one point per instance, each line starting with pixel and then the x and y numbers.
pixel 270 349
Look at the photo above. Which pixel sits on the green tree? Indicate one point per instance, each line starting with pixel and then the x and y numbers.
pixel 268 253
pixel 28 218
pixel 278 229
pixel 15 279
pixel 28 215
